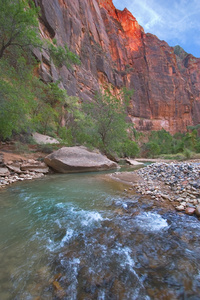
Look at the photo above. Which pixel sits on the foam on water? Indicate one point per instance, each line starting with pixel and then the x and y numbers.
pixel 67 237
pixel 99 244
pixel 91 217
pixel 86 217
pixel 128 260
pixel 151 221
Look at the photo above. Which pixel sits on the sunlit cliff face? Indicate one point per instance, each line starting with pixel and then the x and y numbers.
pixel 133 31
pixel 108 5
pixel 115 52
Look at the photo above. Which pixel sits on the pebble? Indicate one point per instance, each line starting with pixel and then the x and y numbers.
pixel 182 180
pixel 190 211
pixel 12 171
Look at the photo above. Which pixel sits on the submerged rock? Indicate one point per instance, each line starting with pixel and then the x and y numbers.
pixel 78 159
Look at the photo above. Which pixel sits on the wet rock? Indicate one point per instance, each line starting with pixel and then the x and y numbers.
pixel 190 211
pixel 59 291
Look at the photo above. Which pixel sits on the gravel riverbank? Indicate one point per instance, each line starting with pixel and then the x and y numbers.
pixel 178 183
pixel 20 169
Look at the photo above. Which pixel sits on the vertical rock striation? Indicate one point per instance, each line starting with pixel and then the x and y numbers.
pixel 115 52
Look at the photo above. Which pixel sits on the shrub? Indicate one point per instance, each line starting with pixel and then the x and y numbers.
pixel 187 153
pixel 153 149
pixel 130 149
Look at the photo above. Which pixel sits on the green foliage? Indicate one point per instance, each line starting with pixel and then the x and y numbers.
pixel 197 147
pixel 105 124
pixel 163 139
pixel 46 148
pixel 18 26
pixel 62 55
pixel 182 144
pixel 16 98
pixel 56 112
pixel 177 156
pixel 26 103
pixel 187 153
pixel 130 148
pixel 193 127
pixel 153 149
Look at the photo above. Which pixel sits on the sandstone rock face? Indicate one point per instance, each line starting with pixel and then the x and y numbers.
pixel 35 166
pixel 115 52
pixel 78 159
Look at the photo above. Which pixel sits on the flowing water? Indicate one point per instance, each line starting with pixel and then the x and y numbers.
pixel 82 237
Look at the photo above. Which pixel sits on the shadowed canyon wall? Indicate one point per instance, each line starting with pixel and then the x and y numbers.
pixel 115 52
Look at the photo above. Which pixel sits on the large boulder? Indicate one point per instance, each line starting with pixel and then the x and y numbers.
pixel 78 159
pixel 43 139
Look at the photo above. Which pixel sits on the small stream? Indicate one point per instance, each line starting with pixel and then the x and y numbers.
pixel 82 237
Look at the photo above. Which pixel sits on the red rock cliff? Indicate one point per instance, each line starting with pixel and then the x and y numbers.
pixel 115 51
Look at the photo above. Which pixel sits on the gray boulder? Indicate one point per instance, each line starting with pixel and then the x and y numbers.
pixel 43 139
pixel 78 159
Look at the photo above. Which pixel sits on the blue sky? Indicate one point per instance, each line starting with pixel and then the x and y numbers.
pixel 175 21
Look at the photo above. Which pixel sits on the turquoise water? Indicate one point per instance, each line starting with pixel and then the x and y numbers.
pixel 82 237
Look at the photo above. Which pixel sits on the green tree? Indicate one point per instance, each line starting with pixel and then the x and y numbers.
pixel 62 55
pixel 153 149
pixel 106 126
pixel 55 111
pixel 18 25
pixel 26 103
pixel 130 148
pixel 190 139
pixel 16 97
pixel 163 139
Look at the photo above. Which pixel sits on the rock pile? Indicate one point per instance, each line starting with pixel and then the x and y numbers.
pixel 13 171
pixel 177 182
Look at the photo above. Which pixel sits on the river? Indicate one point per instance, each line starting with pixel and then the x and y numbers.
pixel 82 237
